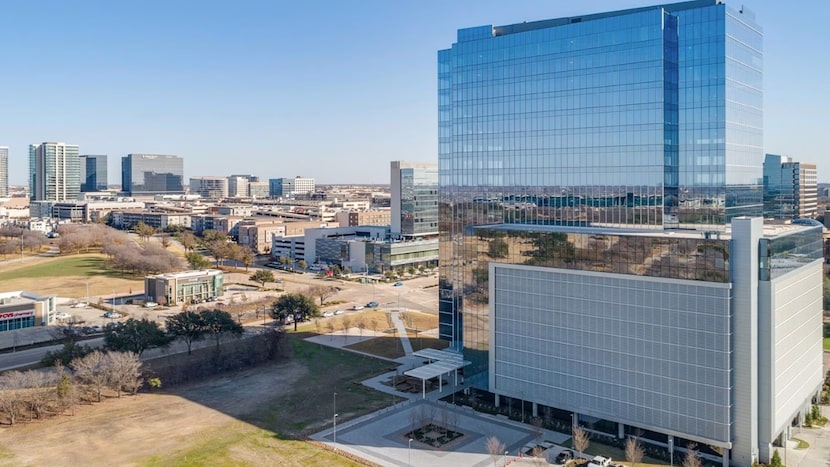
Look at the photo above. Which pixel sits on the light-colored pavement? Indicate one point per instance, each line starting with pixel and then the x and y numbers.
pixel 383 436
pixel 399 325
pixel 817 454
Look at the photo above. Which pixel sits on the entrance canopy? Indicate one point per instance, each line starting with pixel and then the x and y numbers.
pixel 441 362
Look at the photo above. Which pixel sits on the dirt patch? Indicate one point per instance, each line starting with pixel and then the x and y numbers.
pixel 132 429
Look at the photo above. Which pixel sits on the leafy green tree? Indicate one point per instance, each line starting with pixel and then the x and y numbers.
pixel 211 235
pixel 135 335
pixel 188 326
pixel 218 323
pixel 262 276
pixel 246 257
pixel 298 306
pixel 197 261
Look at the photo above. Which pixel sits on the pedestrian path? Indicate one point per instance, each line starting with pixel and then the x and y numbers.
pixel 399 325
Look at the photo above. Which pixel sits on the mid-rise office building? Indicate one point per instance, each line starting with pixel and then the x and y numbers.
pixel 184 287
pixel 151 174
pixel 790 188
pixel 54 172
pixel 414 191
pixel 238 186
pixel 93 173
pixel 258 190
pixel 4 171
pixel 287 187
pixel 210 187
pixel 602 253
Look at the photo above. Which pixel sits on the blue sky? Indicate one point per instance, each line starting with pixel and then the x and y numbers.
pixel 332 90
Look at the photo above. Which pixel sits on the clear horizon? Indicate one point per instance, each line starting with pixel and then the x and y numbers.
pixel 329 90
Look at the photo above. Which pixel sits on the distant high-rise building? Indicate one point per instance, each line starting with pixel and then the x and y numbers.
pixel 303 186
pixel 280 187
pixel 258 190
pixel 414 203
pixel 238 186
pixel 4 171
pixel 209 187
pixel 93 173
pixel 790 188
pixel 54 172
pixel 151 174
pixel 285 187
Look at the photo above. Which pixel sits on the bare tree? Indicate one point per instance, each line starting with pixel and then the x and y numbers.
pixel 93 370
pixel 323 292
pixel 124 372
pixel 633 451
pixel 38 391
pixel 692 458
pixel 538 454
pixel 11 396
pixel 537 424
pixel 346 322
pixel 580 439
pixel 373 323
pixel 361 324
pixel 495 448
pixel 330 329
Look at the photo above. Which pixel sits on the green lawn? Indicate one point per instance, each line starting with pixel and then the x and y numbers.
pixel 827 344
pixel 60 267
pixel 827 336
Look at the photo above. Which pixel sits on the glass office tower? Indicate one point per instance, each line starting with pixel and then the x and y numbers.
pixel 414 193
pixel 151 174
pixel 54 172
pixel 93 173
pixel 644 118
pixel 4 171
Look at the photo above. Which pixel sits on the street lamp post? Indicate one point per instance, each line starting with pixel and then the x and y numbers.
pixel 334 419
pixel 410 453
pixel 505 457
pixel 334 403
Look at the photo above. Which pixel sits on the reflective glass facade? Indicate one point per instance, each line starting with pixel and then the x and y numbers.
pixel 645 118
pixel 414 199
pixel 54 171
pixel 150 174
pixel 4 171
pixel 93 173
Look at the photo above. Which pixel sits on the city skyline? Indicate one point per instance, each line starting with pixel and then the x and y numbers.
pixel 333 83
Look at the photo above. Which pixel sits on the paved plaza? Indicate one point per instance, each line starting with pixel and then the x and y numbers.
pixel 381 437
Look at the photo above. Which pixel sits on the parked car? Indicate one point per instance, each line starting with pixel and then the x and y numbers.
pixel 340 312
pixel 150 304
pixel 397 284
pixel 80 305
pixel 357 307
pixel 564 456
pixel 372 304
pixel 600 461
pixel 328 314
pixel 62 315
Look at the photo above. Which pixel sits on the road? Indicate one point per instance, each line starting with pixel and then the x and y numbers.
pixel 22 358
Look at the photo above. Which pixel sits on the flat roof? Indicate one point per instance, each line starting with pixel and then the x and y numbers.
pixel 446 362
pixel 186 274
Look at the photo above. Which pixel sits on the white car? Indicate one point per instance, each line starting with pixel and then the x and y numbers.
pixel 62 315
pixel 80 305
pixel 600 461
pixel 150 304
pixel 328 314
pixel 340 312
pixel 357 307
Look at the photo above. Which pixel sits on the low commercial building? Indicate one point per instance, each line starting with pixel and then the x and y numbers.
pixel 21 309
pixel 184 287
pixel 367 217
pixel 158 220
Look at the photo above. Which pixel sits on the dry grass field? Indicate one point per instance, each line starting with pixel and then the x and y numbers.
pixel 66 276
pixel 254 417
